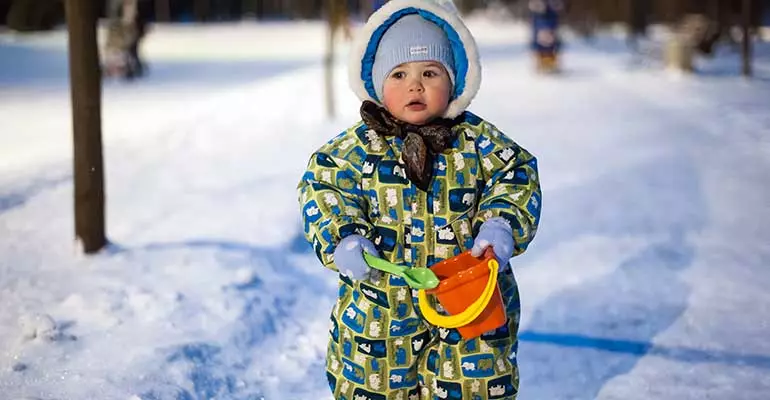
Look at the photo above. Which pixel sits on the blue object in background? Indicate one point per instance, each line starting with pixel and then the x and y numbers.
pixel 379 3
pixel 545 24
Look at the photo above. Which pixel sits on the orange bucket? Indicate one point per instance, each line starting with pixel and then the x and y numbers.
pixel 469 292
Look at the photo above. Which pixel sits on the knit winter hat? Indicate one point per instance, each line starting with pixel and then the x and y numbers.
pixel 411 38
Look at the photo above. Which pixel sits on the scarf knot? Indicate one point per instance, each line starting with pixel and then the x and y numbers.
pixel 421 143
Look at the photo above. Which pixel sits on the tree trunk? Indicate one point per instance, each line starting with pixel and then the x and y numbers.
pixel 85 82
pixel 250 9
pixel 746 29
pixel 331 18
pixel 636 11
pixel 163 10
pixel 201 10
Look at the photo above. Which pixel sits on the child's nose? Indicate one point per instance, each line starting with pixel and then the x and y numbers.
pixel 416 86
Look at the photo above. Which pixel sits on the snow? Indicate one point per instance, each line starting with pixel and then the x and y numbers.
pixel 647 279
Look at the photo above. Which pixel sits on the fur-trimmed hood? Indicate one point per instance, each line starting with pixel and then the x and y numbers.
pixel 445 15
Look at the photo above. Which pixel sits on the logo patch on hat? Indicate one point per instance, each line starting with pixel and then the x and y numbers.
pixel 418 50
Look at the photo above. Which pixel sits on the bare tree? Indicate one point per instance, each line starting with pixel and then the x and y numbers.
pixel 337 19
pixel 85 82
pixel 746 30
pixel 163 10
pixel 329 59
pixel 201 9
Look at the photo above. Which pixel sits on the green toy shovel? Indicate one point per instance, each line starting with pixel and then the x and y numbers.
pixel 416 278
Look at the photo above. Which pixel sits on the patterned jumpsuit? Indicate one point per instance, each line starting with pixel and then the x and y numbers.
pixel 380 347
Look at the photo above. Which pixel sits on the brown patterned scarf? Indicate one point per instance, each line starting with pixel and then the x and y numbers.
pixel 421 142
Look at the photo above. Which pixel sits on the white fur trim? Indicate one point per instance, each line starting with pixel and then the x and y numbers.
pixel 443 9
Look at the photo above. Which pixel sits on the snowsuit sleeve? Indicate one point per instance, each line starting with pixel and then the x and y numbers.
pixel 511 188
pixel 333 205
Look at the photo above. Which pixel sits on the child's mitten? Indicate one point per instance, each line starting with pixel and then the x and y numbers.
pixel 349 256
pixel 497 233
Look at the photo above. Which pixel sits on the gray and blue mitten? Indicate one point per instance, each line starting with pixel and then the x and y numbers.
pixel 497 233
pixel 349 256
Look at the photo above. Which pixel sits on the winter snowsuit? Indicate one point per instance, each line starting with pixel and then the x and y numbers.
pixel 380 347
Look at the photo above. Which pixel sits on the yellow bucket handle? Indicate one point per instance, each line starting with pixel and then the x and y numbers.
pixel 470 313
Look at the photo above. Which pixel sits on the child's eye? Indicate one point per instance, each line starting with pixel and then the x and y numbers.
pixel 430 74
pixel 398 75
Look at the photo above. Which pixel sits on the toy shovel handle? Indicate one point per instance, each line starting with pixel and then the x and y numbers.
pixel 383 265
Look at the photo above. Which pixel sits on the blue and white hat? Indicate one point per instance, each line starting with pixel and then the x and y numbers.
pixel 424 30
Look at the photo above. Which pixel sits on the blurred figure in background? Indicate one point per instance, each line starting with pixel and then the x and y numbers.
pixel 115 53
pixel 125 31
pixel 546 42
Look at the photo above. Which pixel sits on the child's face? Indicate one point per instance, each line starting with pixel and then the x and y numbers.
pixel 417 92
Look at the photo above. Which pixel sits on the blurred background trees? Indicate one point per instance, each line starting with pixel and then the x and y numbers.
pixel 25 15
pixel 697 25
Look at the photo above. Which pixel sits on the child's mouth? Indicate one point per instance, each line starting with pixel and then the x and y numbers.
pixel 416 106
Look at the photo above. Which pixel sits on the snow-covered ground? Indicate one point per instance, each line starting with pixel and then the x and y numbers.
pixel 648 278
